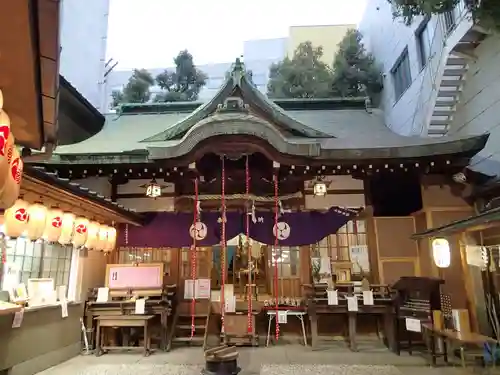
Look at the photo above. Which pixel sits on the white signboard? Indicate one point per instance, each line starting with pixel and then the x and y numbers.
pixel 230 304
pixel 200 288
pixel 367 297
pixel 352 303
pixel 102 295
pixel 140 306
pixel 359 258
pixel 413 325
pixel 18 319
pixel 64 308
pixel 282 317
pixel 333 297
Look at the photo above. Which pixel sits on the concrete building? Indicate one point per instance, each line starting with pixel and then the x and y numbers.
pixel 441 76
pixel 327 36
pixel 258 56
pixel 83 38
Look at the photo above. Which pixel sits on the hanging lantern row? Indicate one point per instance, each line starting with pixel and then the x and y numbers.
pixel 11 165
pixel 36 221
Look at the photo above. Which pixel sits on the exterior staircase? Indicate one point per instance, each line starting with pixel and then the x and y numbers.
pixel 448 95
pixel 463 37
pixel 180 333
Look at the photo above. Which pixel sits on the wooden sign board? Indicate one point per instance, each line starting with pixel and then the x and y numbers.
pixel 134 276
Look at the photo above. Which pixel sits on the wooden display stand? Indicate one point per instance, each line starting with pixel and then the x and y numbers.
pixel 236 330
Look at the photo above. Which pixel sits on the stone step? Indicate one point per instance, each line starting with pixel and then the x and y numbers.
pixel 445 103
pixel 439 123
pixel 454 61
pixel 451 82
pixel 454 72
pixel 448 93
pixel 442 113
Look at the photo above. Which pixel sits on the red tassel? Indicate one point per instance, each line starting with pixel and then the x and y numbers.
pixel 249 253
pixel 223 244
pixel 276 244
pixel 193 257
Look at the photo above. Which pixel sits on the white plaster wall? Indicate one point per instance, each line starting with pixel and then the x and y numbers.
pixel 386 39
pixel 479 108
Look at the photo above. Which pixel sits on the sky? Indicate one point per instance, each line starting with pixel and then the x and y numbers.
pixel 149 33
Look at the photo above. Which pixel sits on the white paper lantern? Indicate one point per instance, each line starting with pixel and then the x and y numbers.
pixel 81 232
pixel 12 185
pixel 441 252
pixel 53 225
pixel 16 219
pixel 37 214
pixel 6 151
pixel 93 235
pixel 102 238
pixel 111 242
pixel 67 228
pixel 1 99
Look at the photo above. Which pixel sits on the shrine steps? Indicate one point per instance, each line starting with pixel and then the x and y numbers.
pixel 180 334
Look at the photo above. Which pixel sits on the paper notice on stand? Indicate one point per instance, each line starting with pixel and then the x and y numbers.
pixel 282 317
pixel 230 304
pixel 64 308
pixel 367 297
pixel 203 289
pixel 18 319
pixel 140 306
pixel 352 303
pixel 102 295
pixel 413 325
pixel 333 297
pixel 189 289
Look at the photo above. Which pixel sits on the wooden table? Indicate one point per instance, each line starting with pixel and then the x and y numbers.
pixel 454 339
pixel 381 308
pixel 127 307
pixel 123 321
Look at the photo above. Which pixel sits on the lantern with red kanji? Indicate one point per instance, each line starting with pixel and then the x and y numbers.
pixel 16 219
pixel 93 235
pixel 53 225
pixel 10 191
pixel 102 238
pixel 67 228
pixel 81 232
pixel 111 240
pixel 37 214
pixel 6 139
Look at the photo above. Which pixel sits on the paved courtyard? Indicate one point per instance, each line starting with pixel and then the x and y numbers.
pixel 278 360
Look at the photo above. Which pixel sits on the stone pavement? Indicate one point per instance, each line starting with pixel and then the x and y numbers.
pixel 276 360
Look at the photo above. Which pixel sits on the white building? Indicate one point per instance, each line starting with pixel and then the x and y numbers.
pixel 442 76
pixel 83 37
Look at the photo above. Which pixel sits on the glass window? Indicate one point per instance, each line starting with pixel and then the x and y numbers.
pixel 401 75
pixel 39 259
pixel 336 246
pixel 424 43
pixel 288 261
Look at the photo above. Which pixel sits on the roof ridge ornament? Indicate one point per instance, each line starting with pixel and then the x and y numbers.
pixel 238 71
pixel 233 104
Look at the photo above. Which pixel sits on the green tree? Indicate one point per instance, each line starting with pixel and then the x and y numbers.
pixel 486 12
pixel 355 72
pixel 137 89
pixel 302 76
pixel 182 84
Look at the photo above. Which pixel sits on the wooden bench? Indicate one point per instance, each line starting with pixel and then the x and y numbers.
pixel 123 321
pixel 221 360
pixel 455 339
